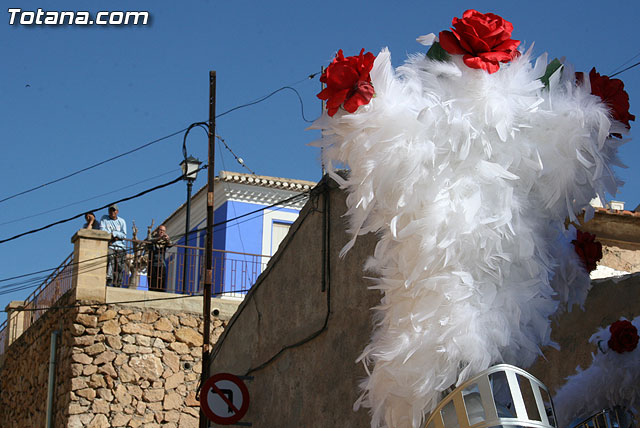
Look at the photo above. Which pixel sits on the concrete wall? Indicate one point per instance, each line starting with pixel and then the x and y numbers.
pixel 619 233
pixel 300 343
pixel 608 300
pixel 299 336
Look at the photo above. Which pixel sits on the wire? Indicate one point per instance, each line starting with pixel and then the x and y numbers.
pixel 189 128
pixel 88 199
pixel 173 238
pixel 238 159
pixel 626 62
pixel 92 166
pixel 144 192
pixel 235 213
pixel 321 188
pixel 83 305
pixel 628 68
pixel 291 199
pixel 259 100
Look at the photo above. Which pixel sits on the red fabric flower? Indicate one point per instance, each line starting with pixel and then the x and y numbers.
pixel 612 93
pixel 348 82
pixel 589 250
pixel 483 39
pixel 624 336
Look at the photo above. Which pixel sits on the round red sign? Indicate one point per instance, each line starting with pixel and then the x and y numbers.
pixel 224 399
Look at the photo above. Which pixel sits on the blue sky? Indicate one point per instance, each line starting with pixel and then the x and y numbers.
pixel 73 96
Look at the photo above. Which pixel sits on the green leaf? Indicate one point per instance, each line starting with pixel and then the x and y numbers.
pixel 552 67
pixel 437 53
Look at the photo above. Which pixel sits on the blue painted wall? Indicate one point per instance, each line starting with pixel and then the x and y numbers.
pixel 243 235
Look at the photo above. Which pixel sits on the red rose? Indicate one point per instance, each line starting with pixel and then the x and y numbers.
pixel 483 39
pixel 348 82
pixel 612 93
pixel 589 250
pixel 624 336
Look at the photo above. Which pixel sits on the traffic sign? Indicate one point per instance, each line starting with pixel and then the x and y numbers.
pixel 224 399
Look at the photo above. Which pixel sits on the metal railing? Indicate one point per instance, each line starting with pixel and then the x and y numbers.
pixel 233 272
pixel 37 303
pixel 58 283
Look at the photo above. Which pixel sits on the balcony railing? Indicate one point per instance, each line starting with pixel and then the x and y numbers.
pixel 37 303
pixel 233 272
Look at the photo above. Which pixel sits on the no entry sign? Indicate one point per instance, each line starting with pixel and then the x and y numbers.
pixel 224 399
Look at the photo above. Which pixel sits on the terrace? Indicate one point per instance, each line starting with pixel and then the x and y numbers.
pixel 84 273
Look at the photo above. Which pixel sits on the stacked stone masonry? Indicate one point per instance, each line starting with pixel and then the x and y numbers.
pixel 116 367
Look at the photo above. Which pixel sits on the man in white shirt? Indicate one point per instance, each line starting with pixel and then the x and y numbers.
pixel 117 227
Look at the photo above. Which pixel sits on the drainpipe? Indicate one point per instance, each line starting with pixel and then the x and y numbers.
pixel 52 377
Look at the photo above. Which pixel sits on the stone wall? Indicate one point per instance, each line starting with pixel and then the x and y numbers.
pixel 24 375
pixel 117 366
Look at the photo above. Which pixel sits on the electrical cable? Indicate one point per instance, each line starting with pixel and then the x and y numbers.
pixel 92 166
pixel 628 68
pixel 237 158
pixel 259 100
pixel 233 206
pixel 326 286
pixel 291 199
pixel 625 63
pixel 83 305
pixel 144 192
pixel 173 237
pixel 315 192
pixel 88 199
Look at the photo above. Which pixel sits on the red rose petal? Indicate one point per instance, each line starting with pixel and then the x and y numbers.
pixel 348 82
pixel 450 44
pixel 495 56
pixel 483 39
pixel 337 98
pixel 479 63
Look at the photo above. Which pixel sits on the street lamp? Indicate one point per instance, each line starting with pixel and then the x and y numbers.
pixel 190 167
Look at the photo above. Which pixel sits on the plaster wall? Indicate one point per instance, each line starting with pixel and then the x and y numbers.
pixel 301 328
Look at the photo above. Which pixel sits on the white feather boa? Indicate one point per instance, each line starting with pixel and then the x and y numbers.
pixel 467 178
pixel 613 379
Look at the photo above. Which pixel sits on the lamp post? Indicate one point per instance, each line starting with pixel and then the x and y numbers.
pixel 190 167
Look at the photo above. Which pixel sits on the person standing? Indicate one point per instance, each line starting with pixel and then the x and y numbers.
pixel 156 248
pixel 117 227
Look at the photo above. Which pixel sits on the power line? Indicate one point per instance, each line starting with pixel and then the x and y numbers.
pixel 84 305
pixel 173 238
pixel 144 192
pixel 88 199
pixel 628 68
pixel 626 62
pixel 291 199
pixel 259 100
pixel 237 158
pixel 92 166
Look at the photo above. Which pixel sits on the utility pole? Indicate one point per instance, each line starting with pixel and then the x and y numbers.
pixel 324 170
pixel 206 303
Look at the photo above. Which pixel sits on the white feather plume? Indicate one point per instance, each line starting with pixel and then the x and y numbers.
pixel 467 178
pixel 613 379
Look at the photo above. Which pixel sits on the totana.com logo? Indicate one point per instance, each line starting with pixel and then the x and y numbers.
pixel 18 16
